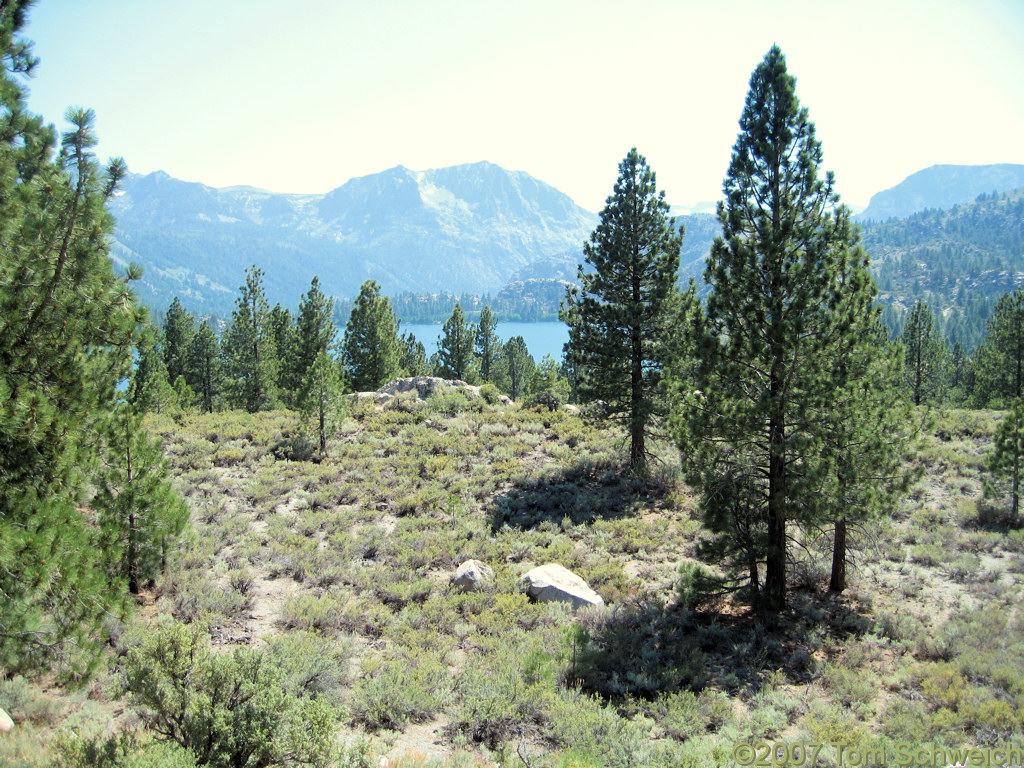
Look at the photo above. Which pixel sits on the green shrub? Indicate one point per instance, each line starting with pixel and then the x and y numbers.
pixel 229 709
pixel 399 690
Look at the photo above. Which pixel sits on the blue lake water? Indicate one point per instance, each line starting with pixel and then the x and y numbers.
pixel 541 338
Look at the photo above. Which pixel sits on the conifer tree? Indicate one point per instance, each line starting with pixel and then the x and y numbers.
pixel 203 372
pixel 487 343
pixel 513 371
pixel 138 511
pixel 150 388
pixel 413 360
pixel 750 426
pixel 455 346
pixel 370 350
pixel 282 330
pixel 999 373
pixel 66 337
pixel 314 333
pixel 865 427
pixel 178 330
pixel 620 318
pixel 1007 450
pixel 925 355
pixel 250 357
pixel 322 398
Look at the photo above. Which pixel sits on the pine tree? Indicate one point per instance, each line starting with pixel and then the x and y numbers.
pixel 620 318
pixel 999 373
pixel 925 355
pixel 455 346
pixel 314 334
pixel 66 338
pixel 413 360
pixel 250 358
pixel 749 424
pixel 1007 450
pixel 138 512
pixel 322 398
pixel 203 366
pixel 487 343
pixel 513 371
pixel 282 331
pixel 150 388
pixel 370 350
pixel 178 330
pixel 865 427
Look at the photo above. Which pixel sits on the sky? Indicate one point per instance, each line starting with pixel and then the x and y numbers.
pixel 301 96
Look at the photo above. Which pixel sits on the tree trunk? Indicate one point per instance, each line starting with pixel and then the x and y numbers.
pixel 838 581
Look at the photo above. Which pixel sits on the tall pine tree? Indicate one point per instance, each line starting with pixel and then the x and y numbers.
pixel 179 328
pixel 250 357
pixel 621 317
pixel 67 325
pixel 999 368
pixel 925 355
pixel 487 344
pixel 203 366
pixel 749 426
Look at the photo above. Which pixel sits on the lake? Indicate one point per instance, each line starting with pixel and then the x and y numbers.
pixel 541 338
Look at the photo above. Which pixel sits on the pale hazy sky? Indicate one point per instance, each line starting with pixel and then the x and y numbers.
pixel 300 96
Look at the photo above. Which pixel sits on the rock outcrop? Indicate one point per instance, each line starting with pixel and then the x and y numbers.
pixel 424 387
pixel 472 576
pixel 553 582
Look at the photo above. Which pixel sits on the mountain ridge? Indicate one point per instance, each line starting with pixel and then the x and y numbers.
pixel 941 186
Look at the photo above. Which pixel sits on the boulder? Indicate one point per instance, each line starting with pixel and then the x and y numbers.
pixel 553 582
pixel 6 724
pixel 472 576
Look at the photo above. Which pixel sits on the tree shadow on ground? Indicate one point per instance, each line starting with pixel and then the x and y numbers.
pixel 643 649
pixel 584 492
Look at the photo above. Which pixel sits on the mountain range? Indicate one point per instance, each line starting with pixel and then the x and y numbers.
pixel 468 228
pixel 475 229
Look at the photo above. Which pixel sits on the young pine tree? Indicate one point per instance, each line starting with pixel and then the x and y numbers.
pixel 322 399
pixel 749 427
pixel 1004 461
pixel 250 358
pixel 455 346
pixel 621 317
pixel 314 334
pixel 370 349
pixel 138 512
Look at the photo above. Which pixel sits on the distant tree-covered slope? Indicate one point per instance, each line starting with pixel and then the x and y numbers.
pixel 960 261
pixel 941 186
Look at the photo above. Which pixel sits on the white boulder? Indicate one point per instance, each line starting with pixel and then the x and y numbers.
pixel 553 582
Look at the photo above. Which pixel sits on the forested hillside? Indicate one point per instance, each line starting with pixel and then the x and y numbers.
pixel 959 261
